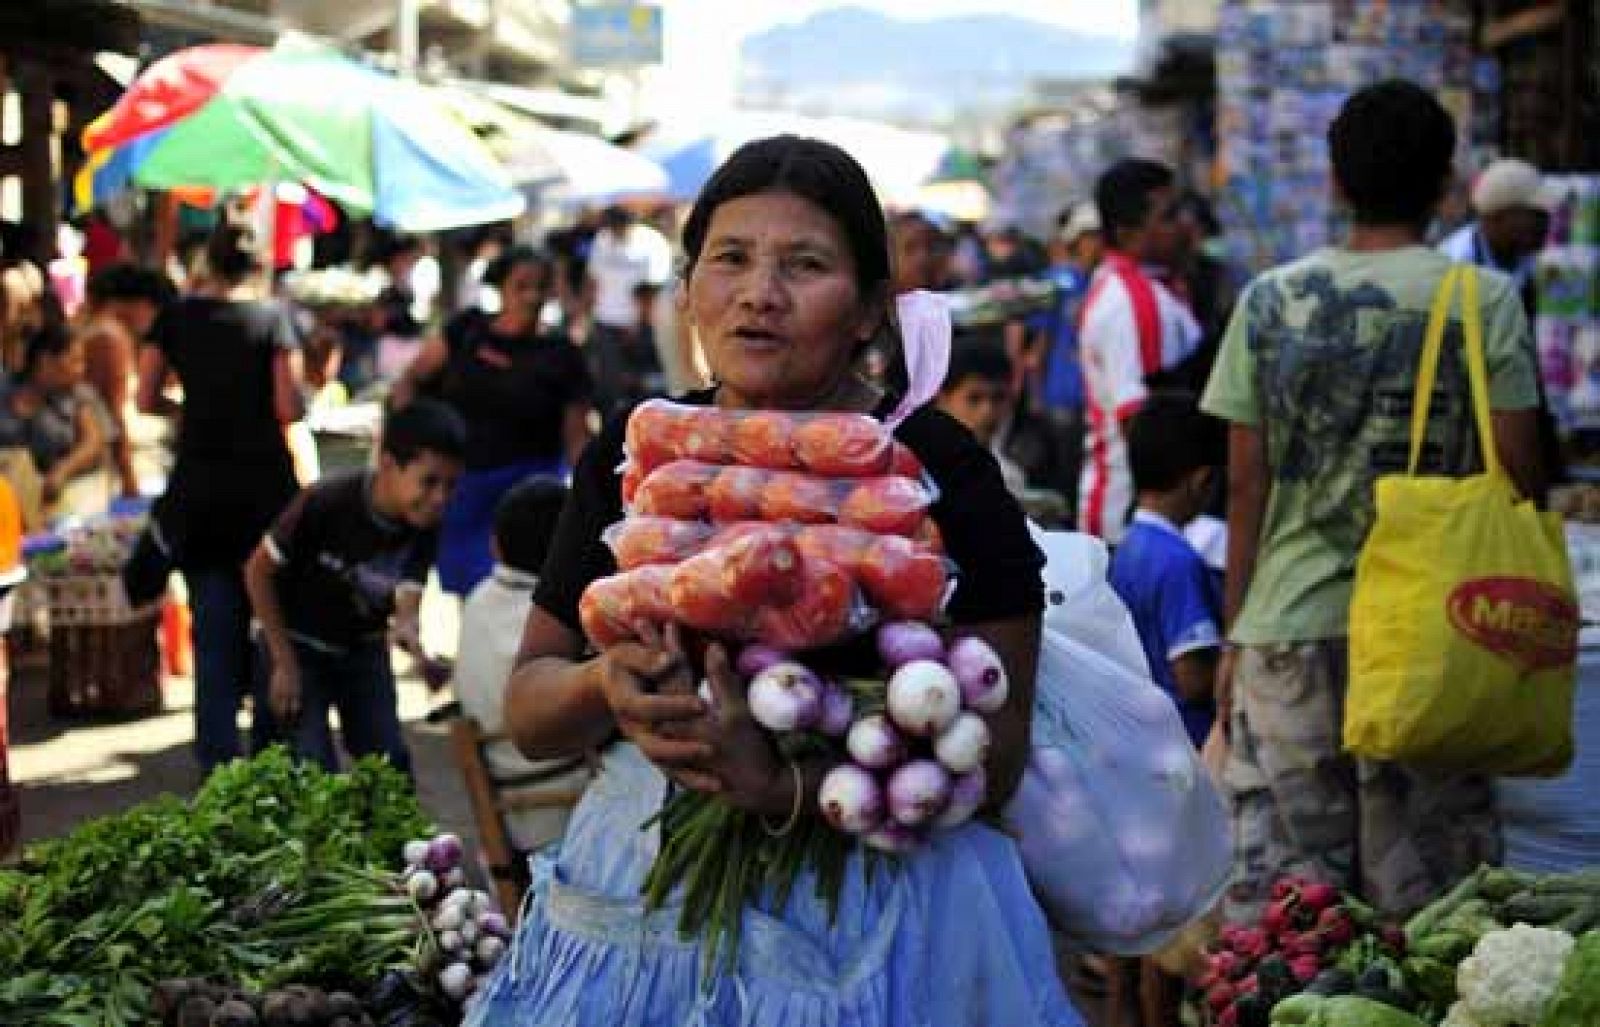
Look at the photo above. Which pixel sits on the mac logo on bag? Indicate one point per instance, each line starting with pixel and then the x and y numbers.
pixel 1528 622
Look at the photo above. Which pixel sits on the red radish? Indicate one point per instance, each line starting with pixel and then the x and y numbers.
pixel 753 659
pixel 1225 963
pixel 918 792
pixel 980 673
pixel 1252 943
pixel 1229 1017
pixel 786 697
pixel 964 745
pixel 1220 996
pixel 444 853
pixel 923 698
pixel 1247 986
pixel 1305 968
pixel 1319 896
pixel 1276 918
pixel 1336 926
pixel 1229 935
pixel 873 742
pixel 838 710
pixel 900 642
pixel 494 923
pixel 895 839
pixel 1308 944
pixel 967 793
pixel 851 800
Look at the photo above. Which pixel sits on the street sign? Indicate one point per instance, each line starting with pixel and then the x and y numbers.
pixel 615 36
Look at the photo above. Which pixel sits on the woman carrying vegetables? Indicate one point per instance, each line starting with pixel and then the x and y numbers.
pixel 787 283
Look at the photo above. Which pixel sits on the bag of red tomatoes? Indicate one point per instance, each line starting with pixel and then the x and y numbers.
pixel 793 529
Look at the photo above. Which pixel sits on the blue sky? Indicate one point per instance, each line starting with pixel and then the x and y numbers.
pixel 703 36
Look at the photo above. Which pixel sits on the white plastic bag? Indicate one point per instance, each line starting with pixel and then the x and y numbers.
pixel 1123 837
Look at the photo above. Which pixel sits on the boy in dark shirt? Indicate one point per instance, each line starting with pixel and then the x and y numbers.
pixel 347 556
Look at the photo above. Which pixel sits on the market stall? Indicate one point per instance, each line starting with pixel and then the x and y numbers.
pixel 278 895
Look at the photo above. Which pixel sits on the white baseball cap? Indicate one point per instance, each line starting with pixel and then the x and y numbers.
pixel 1508 184
pixel 1085 218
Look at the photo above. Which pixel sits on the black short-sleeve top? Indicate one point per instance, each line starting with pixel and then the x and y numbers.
pixel 985 532
pixel 513 392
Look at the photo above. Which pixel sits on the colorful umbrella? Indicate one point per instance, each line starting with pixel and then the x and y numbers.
pixel 227 117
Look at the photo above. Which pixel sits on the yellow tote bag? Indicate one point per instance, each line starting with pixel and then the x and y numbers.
pixel 1464 620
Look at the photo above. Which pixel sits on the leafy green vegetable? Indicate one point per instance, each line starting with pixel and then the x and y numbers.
pixel 1576 1002
pixel 1338 1011
pixel 89 922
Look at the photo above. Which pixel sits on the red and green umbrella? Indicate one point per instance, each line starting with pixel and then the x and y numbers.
pixel 227 117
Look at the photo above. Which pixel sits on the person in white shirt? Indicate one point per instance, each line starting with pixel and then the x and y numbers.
pixel 629 263
pixel 1513 206
pixel 491 632
pixel 1131 327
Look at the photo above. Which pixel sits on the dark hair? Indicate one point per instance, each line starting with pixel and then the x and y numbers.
pixel 1199 208
pixel 424 426
pixel 127 281
pixel 1392 146
pixel 49 340
pixel 983 360
pixel 389 246
pixel 525 522
pixel 499 269
pixel 233 253
pixel 1123 194
pixel 1170 438
pixel 812 170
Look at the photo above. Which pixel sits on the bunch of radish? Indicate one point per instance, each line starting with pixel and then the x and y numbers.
pixel 469 936
pixel 915 744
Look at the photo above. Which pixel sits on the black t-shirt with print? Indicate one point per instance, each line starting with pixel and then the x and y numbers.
pixel 340 562
pixel 984 530
pixel 513 392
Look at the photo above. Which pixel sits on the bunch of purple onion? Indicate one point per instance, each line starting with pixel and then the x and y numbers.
pixel 916 744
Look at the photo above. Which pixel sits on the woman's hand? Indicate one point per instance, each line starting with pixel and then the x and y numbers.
pixel 736 757
pixel 651 695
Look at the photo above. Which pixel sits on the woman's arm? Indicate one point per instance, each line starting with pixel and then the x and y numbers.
pixel 558 705
pixel 575 431
pixel 152 379
pixel 288 406
pixel 426 366
pixel 88 451
pixel 1010 728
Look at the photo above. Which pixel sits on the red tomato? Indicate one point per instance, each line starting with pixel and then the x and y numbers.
pixel 640 541
pixel 904 580
pixel 762 569
pixel 842 446
pixel 632 478
pixel 603 611
pixel 677 490
pixel 654 432
pixel 707 437
pixel 765 439
pixel 819 615
pixel 904 463
pixel 700 599
pixel 831 543
pixel 728 534
pixel 885 506
pixel 650 594
pixel 798 498
pixel 736 494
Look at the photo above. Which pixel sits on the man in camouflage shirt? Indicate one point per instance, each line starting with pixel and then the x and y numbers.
pixel 1315 377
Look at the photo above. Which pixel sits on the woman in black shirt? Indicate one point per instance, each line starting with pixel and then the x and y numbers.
pixel 231 353
pixel 525 395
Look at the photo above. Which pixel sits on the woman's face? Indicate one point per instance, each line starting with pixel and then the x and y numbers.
pixel 58 372
pixel 524 289
pixel 774 297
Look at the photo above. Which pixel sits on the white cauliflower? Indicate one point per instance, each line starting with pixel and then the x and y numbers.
pixel 1509 977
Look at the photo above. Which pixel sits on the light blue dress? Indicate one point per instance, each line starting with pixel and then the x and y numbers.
pixel 952 936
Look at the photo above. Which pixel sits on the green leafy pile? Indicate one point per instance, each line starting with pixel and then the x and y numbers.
pixel 170 888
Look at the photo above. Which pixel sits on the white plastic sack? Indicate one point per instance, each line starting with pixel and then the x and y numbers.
pixel 1122 835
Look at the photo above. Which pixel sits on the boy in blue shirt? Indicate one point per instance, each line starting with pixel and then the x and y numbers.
pixel 1174 451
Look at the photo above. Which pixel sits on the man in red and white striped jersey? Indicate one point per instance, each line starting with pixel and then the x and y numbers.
pixel 1131 327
